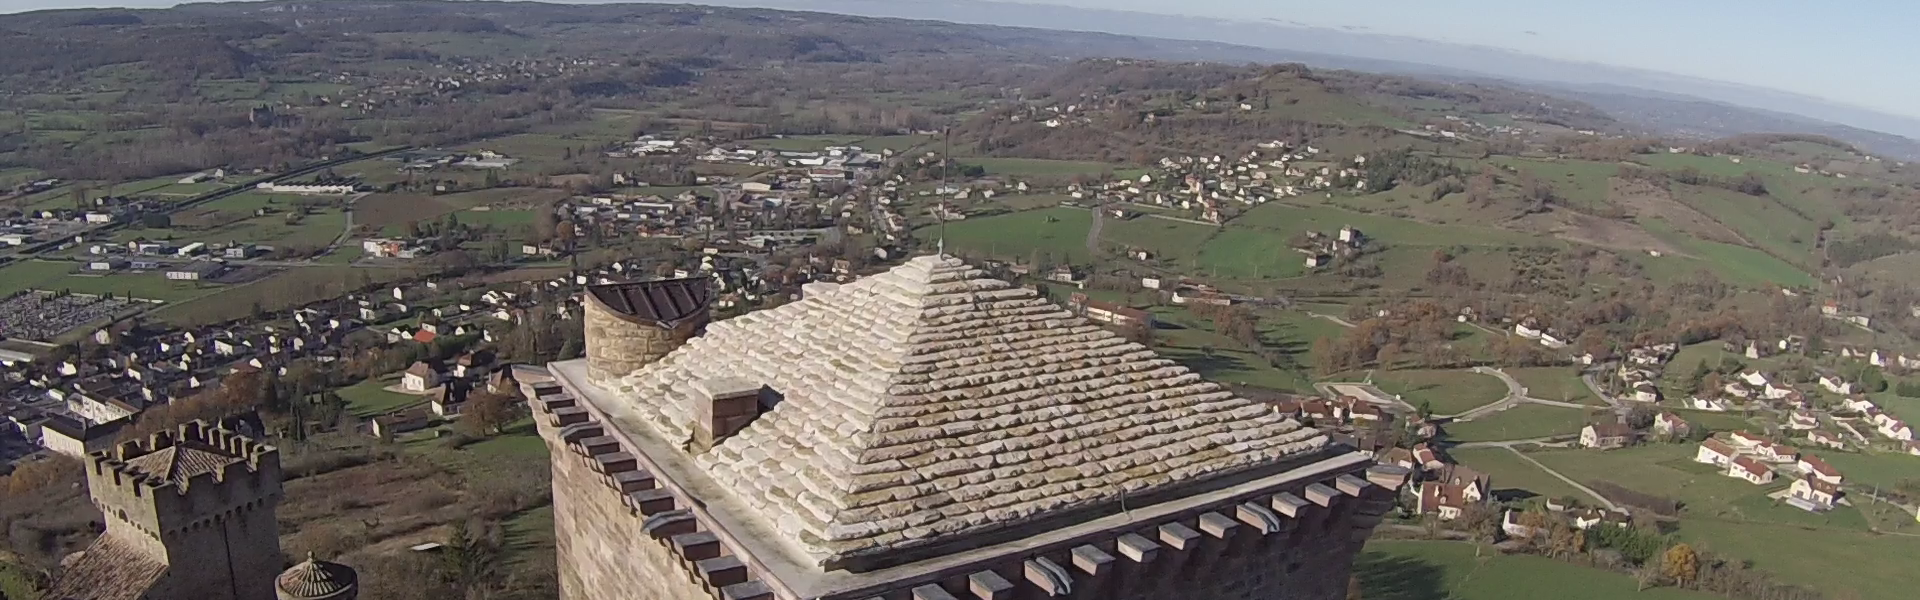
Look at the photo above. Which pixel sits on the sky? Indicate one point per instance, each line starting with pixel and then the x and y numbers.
pixel 1851 51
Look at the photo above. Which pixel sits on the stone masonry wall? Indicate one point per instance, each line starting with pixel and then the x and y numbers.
pixel 603 552
pixel 616 347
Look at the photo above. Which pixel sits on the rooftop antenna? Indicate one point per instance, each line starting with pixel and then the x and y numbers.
pixel 946 154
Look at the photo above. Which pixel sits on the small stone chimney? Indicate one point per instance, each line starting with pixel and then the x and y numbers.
pixel 723 407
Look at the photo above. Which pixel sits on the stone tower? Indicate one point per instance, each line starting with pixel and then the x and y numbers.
pixel 931 434
pixel 317 580
pixel 189 514
pixel 632 324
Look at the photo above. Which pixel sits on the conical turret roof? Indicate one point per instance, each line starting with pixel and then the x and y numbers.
pixel 931 402
pixel 315 579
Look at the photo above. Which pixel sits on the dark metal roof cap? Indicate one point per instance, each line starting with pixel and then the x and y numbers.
pixel 666 302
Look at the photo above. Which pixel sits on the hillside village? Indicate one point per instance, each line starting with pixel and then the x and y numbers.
pixel 1579 342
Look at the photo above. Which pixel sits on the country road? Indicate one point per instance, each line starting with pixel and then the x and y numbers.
pixel 1093 233
pixel 1576 485
pixel 1336 320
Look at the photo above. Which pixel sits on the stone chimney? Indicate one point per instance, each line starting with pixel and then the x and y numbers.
pixel 723 407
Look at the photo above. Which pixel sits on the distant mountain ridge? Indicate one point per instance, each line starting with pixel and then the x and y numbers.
pixel 1639 94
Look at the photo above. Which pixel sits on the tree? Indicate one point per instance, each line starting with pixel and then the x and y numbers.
pixel 488 414
pixel 1681 565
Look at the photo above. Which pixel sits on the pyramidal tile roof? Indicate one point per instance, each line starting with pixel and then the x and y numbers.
pixel 182 461
pixel 931 402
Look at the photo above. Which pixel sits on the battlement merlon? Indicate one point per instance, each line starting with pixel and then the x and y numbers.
pixel 244 474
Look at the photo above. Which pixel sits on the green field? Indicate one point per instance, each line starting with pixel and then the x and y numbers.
pixel 287 289
pixel 804 143
pixel 1668 470
pixel 59 276
pixel 1839 563
pixel 1193 343
pixel 1526 421
pixel 1289 221
pixel 1060 233
pixel 1554 383
pixel 1762 221
pixel 1027 167
pixel 1174 242
pixel 1244 253
pixel 1510 472
pixel 367 399
pixel 1582 183
pixel 1448 392
pixel 1736 264
pixel 1433 570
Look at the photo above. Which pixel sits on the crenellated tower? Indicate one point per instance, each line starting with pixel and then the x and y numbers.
pixel 189 514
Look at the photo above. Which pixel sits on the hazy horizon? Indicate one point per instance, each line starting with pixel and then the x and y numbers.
pixel 1848 52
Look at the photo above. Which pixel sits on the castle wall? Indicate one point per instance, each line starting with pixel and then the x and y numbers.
pixel 616 347
pixel 233 558
pixel 603 553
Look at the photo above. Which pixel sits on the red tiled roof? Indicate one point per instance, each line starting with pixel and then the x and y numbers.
pixel 425 337
pixel 1820 466
pixel 1750 465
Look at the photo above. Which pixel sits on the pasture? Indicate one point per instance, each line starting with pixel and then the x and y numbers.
pixel 62 276
pixel 1526 421
pixel 1030 167
pixel 1514 477
pixel 1554 383
pixel 1448 392
pixel 1435 570
pixel 1059 233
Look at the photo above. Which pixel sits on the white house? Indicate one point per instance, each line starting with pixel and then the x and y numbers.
pixel 1813 466
pixel 1708 404
pixel 1802 420
pixel 1645 391
pixel 1526 330
pixel 1859 405
pixel 1894 428
pixel 1714 452
pixel 1833 383
pixel 1813 494
pixel 1825 439
pixel 420 377
pixel 1742 439
pixel 1751 470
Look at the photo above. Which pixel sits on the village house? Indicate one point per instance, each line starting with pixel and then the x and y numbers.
pixel 1669 424
pixel 1826 439
pixel 1646 391
pixel 1710 404
pixel 1715 452
pixel 1813 494
pixel 1836 384
pixel 420 377
pixel 1896 429
pixel 1399 457
pixel 1751 470
pixel 387 427
pixel 450 399
pixel 1813 466
pixel 1747 440
pixel 1587 518
pixel 1802 420
pixel 1427 456
pixel 1606 436
pixel 1109 313
pixel 1776 452
pixel 1447 501
pixel 1858 404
